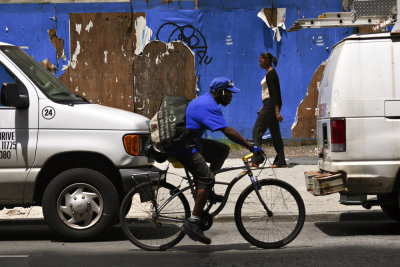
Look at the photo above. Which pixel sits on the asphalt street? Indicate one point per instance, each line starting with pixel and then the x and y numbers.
pixel 365 238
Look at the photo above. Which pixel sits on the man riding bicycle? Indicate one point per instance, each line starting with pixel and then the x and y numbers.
pixel 203 113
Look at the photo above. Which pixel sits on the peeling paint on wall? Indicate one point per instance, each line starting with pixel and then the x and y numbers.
pixel 140 25
pixel 105 56
pixel 143 34
pixel 78 28
pixel 274 18
pixel 89 26
pixel 58 43
pixel 50 67
pixel 305 121
pixel 74 59
pixel 101 64
pixel 163 69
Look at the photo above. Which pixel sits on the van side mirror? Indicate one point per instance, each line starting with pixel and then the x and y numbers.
pixel 14 95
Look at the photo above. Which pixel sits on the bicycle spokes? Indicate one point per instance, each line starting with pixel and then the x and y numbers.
pixel 154 224
pixel 257 190
pixel 258 226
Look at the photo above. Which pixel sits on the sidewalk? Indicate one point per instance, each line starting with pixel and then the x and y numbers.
pixel 317 207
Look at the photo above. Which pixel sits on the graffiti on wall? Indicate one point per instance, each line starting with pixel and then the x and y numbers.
pixel 189 35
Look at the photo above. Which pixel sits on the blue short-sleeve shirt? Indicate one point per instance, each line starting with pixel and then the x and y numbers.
pixel 203 113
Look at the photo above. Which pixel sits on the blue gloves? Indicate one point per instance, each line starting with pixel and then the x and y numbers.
pixel 255 149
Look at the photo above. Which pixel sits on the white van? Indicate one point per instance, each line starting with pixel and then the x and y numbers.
pixel 74 158
pixel 358 123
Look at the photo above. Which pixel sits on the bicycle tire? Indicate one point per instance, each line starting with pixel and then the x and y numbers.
pixel 141 223
pixel 282 227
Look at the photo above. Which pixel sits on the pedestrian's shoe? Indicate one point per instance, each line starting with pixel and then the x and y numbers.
pixel 192 229
pixel 214 197
pixel 279 166
pixel 254 165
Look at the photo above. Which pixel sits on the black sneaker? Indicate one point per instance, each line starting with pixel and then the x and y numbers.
pixel 192 229
pixel 215 198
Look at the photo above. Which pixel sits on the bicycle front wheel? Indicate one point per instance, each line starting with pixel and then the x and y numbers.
pixel 151 215
pixel 277 230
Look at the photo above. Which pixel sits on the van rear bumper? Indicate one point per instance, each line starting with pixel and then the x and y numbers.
pixel 133 177
pixel 364 177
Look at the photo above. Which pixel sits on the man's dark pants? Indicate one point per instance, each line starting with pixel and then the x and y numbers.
pixel 211 151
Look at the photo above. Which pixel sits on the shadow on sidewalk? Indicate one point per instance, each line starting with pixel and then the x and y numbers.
pixel 37 229
pixel 360 223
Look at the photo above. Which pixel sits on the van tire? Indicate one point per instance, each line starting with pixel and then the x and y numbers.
pixel 390 205
pixel 80 204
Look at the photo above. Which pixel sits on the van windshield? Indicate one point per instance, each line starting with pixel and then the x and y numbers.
pixel 41 77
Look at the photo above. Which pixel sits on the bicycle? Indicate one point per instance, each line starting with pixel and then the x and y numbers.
pixel 269 213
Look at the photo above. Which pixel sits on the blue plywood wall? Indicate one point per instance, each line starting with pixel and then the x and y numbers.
pixel 229 32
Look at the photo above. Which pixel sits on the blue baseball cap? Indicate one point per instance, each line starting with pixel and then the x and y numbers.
pixel 223 83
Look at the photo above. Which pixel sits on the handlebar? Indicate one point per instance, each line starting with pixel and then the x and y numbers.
pixel 247 157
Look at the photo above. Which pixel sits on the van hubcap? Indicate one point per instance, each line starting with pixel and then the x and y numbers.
pixel 80 206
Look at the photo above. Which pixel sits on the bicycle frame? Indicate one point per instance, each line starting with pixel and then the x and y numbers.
pixel 247 171
pixel 228 189
pixel 253 180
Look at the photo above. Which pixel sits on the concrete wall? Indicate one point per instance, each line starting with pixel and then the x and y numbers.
pixel 225 36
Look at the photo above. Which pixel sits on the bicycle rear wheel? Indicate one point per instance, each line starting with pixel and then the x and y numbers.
pixel 151 215
pixel 286 221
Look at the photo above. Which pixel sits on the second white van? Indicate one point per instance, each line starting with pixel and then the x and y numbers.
pixel 358 123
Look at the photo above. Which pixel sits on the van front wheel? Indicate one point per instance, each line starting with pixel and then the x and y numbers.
pixel 80 203
pixel 390 205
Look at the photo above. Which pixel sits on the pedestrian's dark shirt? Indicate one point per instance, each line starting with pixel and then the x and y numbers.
pixel 274 88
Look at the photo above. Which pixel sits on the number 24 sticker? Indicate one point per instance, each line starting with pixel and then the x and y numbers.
pixel 48 113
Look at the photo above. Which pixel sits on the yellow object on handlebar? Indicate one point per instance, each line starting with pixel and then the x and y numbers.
pixel 247 157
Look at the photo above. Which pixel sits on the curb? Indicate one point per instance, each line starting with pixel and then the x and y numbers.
pixel 331 216
pixel 338 216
